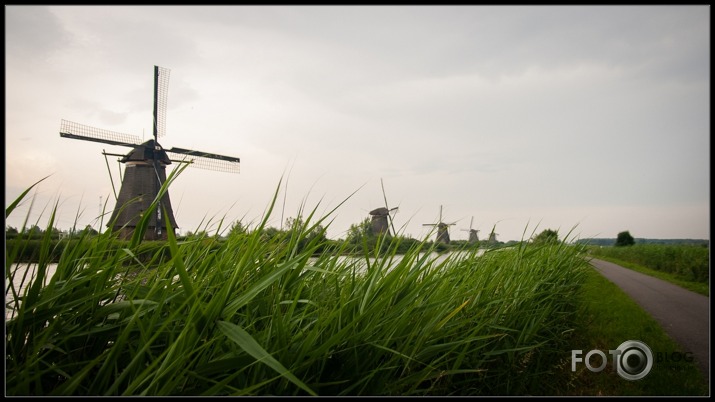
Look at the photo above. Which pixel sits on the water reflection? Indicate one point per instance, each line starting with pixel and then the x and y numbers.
pixel 22 275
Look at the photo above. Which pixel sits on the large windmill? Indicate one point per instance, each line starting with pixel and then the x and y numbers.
pixel 473 233
pixel 442 228
pixel 145 167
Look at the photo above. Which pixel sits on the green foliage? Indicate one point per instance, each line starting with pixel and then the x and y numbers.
pixel 261 314
pixel 673 242
pixel 28 250
pixel 11 232
pixel 604 326
pixel 200 234
pixel 359 232
pixel 624 239
pixel 237 229
pixel 691 263
pixel 547 236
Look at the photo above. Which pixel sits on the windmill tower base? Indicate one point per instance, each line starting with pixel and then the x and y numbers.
pixel 379 221
pixel 443 235
pixel 141 181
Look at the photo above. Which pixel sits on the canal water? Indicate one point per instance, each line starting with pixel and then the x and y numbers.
pixel 22 275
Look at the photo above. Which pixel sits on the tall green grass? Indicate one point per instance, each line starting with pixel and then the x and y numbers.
pixel 258 316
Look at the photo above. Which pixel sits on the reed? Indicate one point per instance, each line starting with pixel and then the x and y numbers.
pixel 257 316
pixel 687 262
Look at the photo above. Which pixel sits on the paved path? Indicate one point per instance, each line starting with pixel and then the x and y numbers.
pixel 683 314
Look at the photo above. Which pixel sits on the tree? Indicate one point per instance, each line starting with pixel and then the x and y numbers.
pixel 625 239
pixel 270 233
pixel 308 233
pixel 55 233
pixel 90 230
pixel 237 229
pixel 548 236
pixel 11 232
pixel 358 231
pixel 201 234
pixel 33 231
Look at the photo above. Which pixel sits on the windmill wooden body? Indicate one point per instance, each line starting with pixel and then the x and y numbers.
pixel 145 167
pixel 442 228
pixel 379 222
pixel 473 233
pixel 493 237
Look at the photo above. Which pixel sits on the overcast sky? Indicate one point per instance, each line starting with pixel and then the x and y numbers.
pixel 527 118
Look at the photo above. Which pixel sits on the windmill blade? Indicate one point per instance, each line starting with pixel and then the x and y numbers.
pixel 387 207
pixel 470 226
pixel 161 95
pixel 69 129
pixel 195 153
pixel 205 160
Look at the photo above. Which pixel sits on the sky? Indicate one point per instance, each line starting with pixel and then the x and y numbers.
pixel 587 120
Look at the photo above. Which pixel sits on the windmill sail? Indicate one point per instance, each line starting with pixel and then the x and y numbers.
pixel 69 129
pixel 205 160
pixel 161 96
pixel 145 167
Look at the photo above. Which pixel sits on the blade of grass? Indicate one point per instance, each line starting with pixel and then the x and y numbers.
pixel 244 340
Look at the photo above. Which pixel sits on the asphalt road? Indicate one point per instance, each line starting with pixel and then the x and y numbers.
pixel 683 314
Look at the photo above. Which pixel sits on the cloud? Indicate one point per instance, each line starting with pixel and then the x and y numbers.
pixel 502 113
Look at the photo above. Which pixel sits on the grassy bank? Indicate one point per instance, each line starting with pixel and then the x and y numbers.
pixel 608 317
pixel 253 315
pixel 251 319
pixel 687 266
pixel 284 315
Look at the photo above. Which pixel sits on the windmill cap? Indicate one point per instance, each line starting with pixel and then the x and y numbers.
pixel 380 211
pixel 145 152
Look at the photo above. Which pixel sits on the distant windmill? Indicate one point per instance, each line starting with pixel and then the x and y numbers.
pixel 145 169
pixel 493 236
pixel 381 220
pixel 442 228
pixel 473 233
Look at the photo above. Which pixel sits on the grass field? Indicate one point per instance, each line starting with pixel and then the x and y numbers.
pixel 253 315
pixel 687 266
